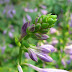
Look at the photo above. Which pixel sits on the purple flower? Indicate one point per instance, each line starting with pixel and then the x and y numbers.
pixel 71 57
pixel 24 20
pixel 68 49
pixel 43 6
pixel 32 28
pixel 44 37
pixel 28 17
pixel 9 11
pixel 53 30
pixel 10 45
pixel 41 37
pixel 44 12
pixel 1 2
pixel 5 31
pixel 10 34
pixel 40 52
pixel 50 47
pixel 27 55
pixel 11 28
pixel 31 10
pixel 70 22
pixel 35 10
pixel 69 0
pixel 44 57
pixel 54 41
pixel 44 49
pixel 32 55
pixel 46 69
pixel 63 62
pixel 68 61
pixel 24 28
pixel 54 70
pixel 6 1
pixel 36 20
pixel 25 9
pixel 3 49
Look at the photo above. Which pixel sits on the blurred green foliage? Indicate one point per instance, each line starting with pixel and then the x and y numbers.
pixel 10 27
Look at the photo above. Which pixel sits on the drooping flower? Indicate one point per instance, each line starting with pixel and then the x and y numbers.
pixel 32 55
pixel 41 52
pixel 45 69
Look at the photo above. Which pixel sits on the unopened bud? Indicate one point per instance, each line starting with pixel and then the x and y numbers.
pixel 45 57
pixel 53 16
pixel 44 25
pixel 32 55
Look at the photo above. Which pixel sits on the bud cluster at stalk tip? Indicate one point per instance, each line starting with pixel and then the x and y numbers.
pixel 40 27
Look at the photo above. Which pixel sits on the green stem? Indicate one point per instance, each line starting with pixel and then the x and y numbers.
pixel 20 54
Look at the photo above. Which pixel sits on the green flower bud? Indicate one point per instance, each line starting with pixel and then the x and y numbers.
pixel 37 27
pixel 48 15
pixel 25 50
pixel 40 20
pixel 43 16
pixel 52 25
pixel 55 20
pixel 19 44
pixel 44 25
pixel 53 16
pixel 44 20
pixel 33 36
pixel 50 20
pixel 44 31
pixel 16 40
pixel 25 43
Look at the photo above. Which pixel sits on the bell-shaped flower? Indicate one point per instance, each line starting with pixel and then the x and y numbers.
pixel 32 55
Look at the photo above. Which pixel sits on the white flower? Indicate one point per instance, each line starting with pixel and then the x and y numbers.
pixel 19 68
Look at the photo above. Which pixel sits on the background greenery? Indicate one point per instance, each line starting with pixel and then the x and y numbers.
pixel 11 23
